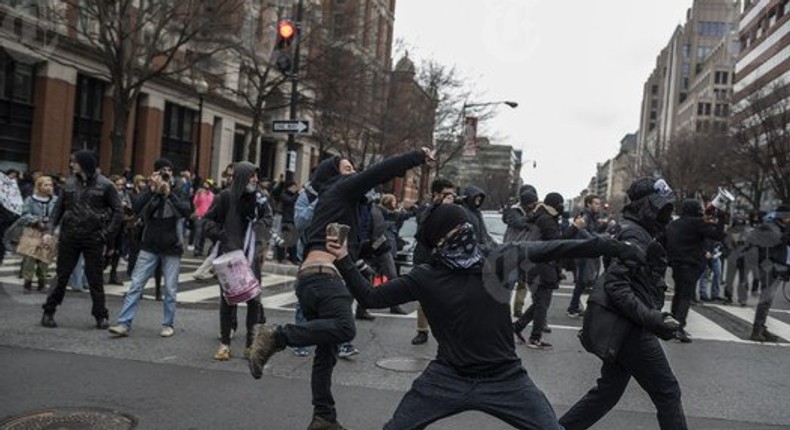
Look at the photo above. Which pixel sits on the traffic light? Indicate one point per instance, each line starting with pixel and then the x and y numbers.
pixel 286 33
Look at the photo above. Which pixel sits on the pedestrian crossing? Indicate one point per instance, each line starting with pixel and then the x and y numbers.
pixel 711 322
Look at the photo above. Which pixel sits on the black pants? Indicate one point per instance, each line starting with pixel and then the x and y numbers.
pixel 537 312
pixel 440 391
pixel 326 304
pixel 68 253
pixel 642 358
pixel 685 278
pixel 227 318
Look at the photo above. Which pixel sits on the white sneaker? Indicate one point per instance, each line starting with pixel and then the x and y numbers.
pixel 167 331
pixel 190 248
pixel 119 330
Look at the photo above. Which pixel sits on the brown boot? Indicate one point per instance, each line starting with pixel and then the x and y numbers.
pixel 28 286
pixel 42 285
pixel 321 423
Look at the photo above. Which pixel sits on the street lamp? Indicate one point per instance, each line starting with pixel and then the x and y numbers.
pixel 201 86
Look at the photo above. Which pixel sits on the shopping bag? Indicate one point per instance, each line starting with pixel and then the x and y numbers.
pixel 32 244
pixel 236 278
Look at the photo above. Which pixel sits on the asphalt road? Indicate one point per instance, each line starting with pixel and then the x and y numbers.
pixel 175 384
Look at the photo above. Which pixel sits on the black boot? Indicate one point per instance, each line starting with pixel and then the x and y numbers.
pixel 28 286
pixel 102 323
pixel 397 310
pixel 761 334
pixel 363 314
pixel 422 337
pixel 114 277
pixel 48 320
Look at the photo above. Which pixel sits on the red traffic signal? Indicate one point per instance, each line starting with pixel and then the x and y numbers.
pixel 286 30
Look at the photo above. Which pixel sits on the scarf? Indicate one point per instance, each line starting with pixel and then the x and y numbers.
pixel 461 250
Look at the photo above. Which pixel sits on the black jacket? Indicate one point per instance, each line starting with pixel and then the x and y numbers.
pixel 160 217
pixel 253 207
pixel 686 237
pixel 88 209
pixel 468 310
pixel 545 219
pixel 474 216
pixel 519 228
pixel 340 201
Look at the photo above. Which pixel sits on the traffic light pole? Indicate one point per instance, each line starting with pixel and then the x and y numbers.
pixel 291 157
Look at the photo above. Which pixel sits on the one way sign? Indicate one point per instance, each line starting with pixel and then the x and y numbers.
pixel 296 126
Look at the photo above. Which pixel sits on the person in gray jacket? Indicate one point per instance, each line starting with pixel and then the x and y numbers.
pixel 36 212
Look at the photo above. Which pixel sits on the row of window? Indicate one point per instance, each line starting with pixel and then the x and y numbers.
pixel 712 29
pixel 767 21
pixel 719 109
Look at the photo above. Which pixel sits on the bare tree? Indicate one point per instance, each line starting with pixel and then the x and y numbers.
pixel 138 41
pixel 762 140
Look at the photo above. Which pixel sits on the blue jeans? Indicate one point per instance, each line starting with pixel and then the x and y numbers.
pixel 143 271
pixel 441 392
pixel 715 267
pixel 77 279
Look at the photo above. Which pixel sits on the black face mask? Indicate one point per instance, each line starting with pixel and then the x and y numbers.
pixel 664 215
pixel 461 250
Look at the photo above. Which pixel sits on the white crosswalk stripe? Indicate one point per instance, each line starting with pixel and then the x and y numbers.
pixel 277 294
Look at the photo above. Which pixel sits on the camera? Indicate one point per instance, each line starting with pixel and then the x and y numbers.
pixel 165 176
pixel 459 200
pixel 276 240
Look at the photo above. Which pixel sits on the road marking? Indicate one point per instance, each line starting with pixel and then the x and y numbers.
pixel 702 327
pixel 777 327
pixel 279 300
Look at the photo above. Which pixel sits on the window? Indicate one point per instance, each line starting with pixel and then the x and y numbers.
pixel 654 89
pixel 16 110
pixel 177 143
pixel 703 52
pixel 712 29
pixel 88 114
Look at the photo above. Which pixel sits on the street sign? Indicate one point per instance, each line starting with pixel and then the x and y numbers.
pixel 295 126
pixel 291 165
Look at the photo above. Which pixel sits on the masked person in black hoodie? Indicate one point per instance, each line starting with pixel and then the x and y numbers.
pixel 88 213
pixel 686 249
pixel 466 294
pixel 323 297
pixel 624 317
pixel 473 198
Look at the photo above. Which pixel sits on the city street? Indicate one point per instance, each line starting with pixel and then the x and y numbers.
pixel 727 382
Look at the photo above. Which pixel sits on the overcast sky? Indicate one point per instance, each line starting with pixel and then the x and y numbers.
pixel 576 68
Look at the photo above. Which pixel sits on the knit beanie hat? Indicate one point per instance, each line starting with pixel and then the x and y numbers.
pixel 527 198
pixel 161 163
pixel 442 219
pixel 87 161
pixel 555 200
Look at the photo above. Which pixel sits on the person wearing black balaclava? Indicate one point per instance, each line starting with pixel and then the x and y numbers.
pixel 546 276
pixel 624 317
pixel 228 220
pixel 465 291
pixel 323 297
pixel 686 248
pixel 88 213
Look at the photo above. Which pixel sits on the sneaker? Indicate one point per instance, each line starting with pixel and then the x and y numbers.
pixel 364 316
pixel 539 344
pixel 167 331
pixel 102 323
pixel 223 353
pixel 264 345
pixel 575 314
pixel 761 334
pixel 422 337
pixel 301 351
pixel 682 336
pixel 347 350
pixel 48 321
pixel 119 330
pixel 397 310
pixel 547 329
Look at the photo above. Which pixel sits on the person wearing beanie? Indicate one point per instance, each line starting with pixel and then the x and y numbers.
pixel 520 229
pixel 686 238
pixel 88 214
pixel 466 295
pixel 624 318
pixel 323 297
pixel 774 237
pixel 546 277
pixel 162 210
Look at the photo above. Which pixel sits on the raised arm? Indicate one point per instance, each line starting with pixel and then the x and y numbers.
pixel 356 186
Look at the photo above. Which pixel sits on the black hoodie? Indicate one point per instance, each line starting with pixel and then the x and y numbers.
pixel 686 236
pixel 473 214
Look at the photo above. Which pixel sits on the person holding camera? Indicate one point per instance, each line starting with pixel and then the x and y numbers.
pixel 162 209
pixel 323 297
pixel 88 213
pixel 36 211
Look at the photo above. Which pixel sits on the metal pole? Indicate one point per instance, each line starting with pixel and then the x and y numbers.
pixel 199 135
pixel 291 147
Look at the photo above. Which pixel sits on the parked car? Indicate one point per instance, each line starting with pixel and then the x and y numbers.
pixel 495 226
pixel 405 256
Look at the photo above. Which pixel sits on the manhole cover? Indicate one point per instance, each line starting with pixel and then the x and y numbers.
pixel 402 364
pixel 70 419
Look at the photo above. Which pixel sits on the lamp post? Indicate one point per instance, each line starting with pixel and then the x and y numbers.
pixel 201 86
pixel 470 150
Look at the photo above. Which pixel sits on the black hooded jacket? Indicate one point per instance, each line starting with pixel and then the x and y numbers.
pixel 545 219
pixel 339 196
pixel 686 237
pixel 160 215
pixel 89 207
pixel 474 215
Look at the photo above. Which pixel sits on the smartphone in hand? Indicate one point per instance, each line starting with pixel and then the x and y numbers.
pixel 340 231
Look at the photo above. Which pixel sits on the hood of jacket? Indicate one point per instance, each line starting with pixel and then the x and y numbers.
pixel 242 172
pixel 691 208
pixel 470 193
pixel 326 173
